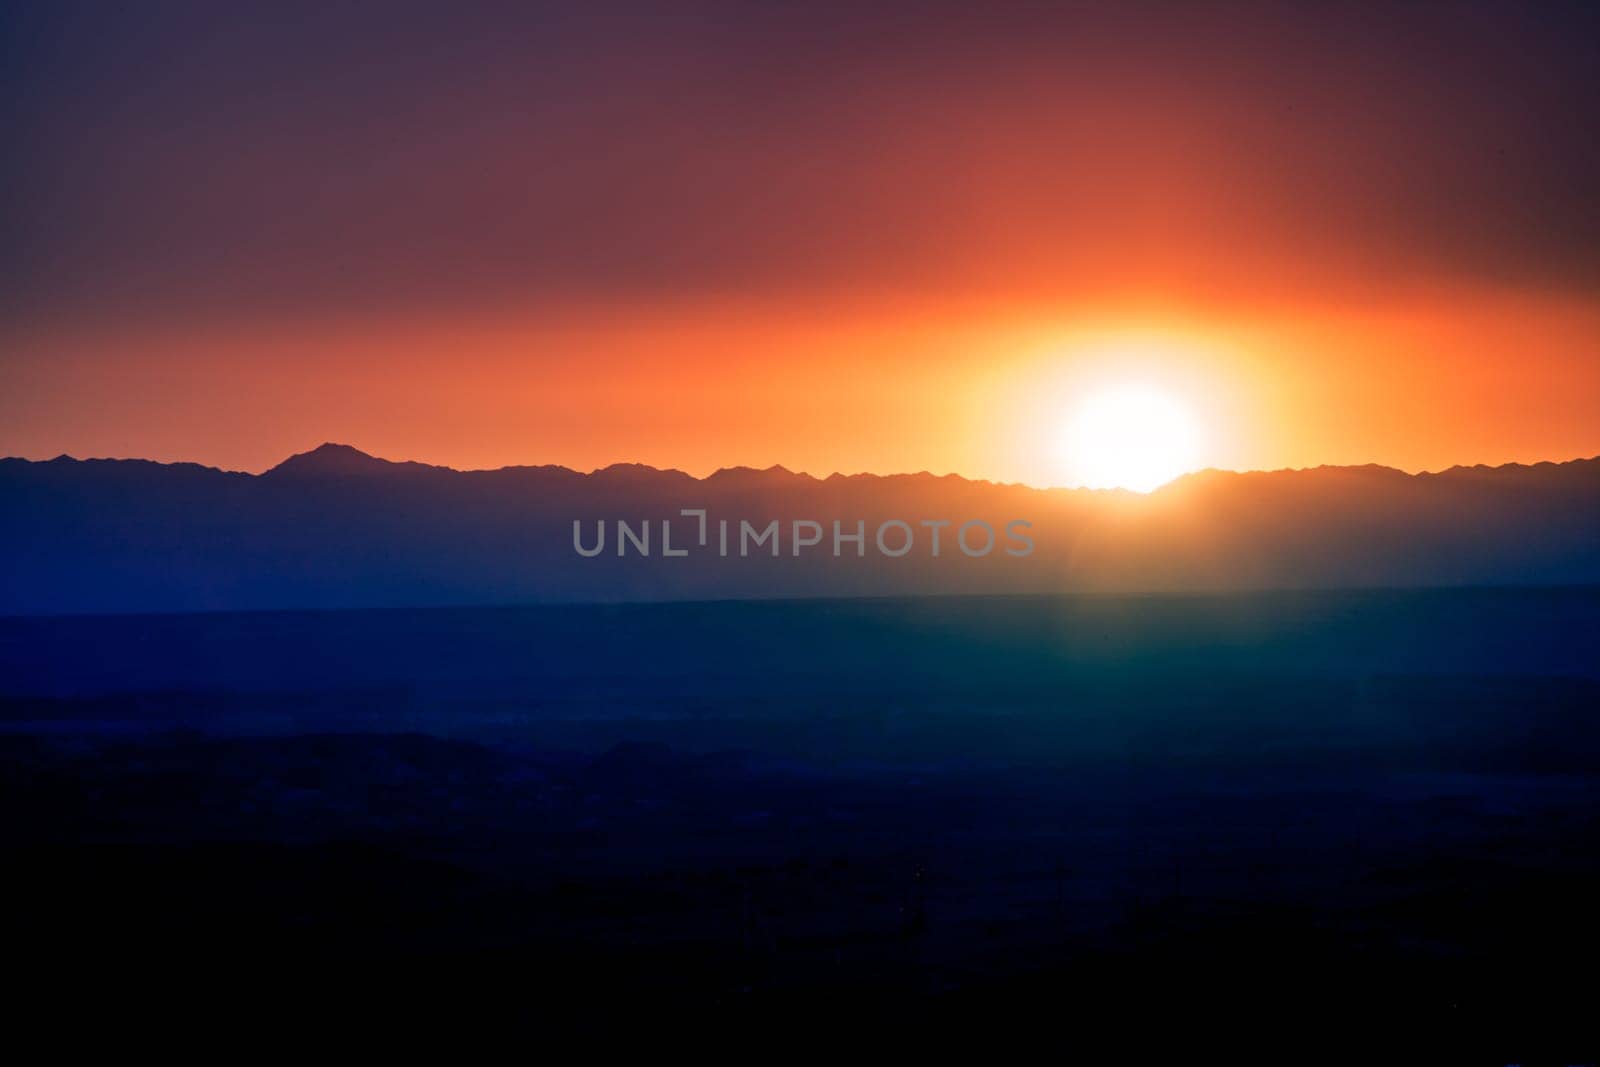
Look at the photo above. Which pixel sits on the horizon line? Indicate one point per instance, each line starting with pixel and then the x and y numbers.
pixel 359 455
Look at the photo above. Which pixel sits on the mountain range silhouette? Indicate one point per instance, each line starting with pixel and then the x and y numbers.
pixel 336 527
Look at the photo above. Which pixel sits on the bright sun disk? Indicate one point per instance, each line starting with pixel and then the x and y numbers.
pixel 1130 437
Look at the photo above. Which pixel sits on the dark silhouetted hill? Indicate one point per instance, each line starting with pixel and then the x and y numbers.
pixel 335 527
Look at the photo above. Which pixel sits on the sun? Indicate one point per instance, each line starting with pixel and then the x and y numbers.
pixel 1130 436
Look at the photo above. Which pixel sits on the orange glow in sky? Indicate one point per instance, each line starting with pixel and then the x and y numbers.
pixel 986 392
pixel 831 238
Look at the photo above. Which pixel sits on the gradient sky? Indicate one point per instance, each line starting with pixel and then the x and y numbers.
pixel 851 237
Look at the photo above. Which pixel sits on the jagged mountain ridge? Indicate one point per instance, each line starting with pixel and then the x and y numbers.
pixel 336 527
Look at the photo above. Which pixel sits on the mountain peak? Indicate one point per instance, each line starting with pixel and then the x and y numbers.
pixel 637 474
pixel 751 476
pixel 330 459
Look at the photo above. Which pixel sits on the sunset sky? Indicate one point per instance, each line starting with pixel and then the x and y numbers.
pixel 854 237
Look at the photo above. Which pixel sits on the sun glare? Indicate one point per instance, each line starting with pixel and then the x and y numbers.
pixel 1130 437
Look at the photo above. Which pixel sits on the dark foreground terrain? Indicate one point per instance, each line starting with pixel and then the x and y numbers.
pixel 1316 819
